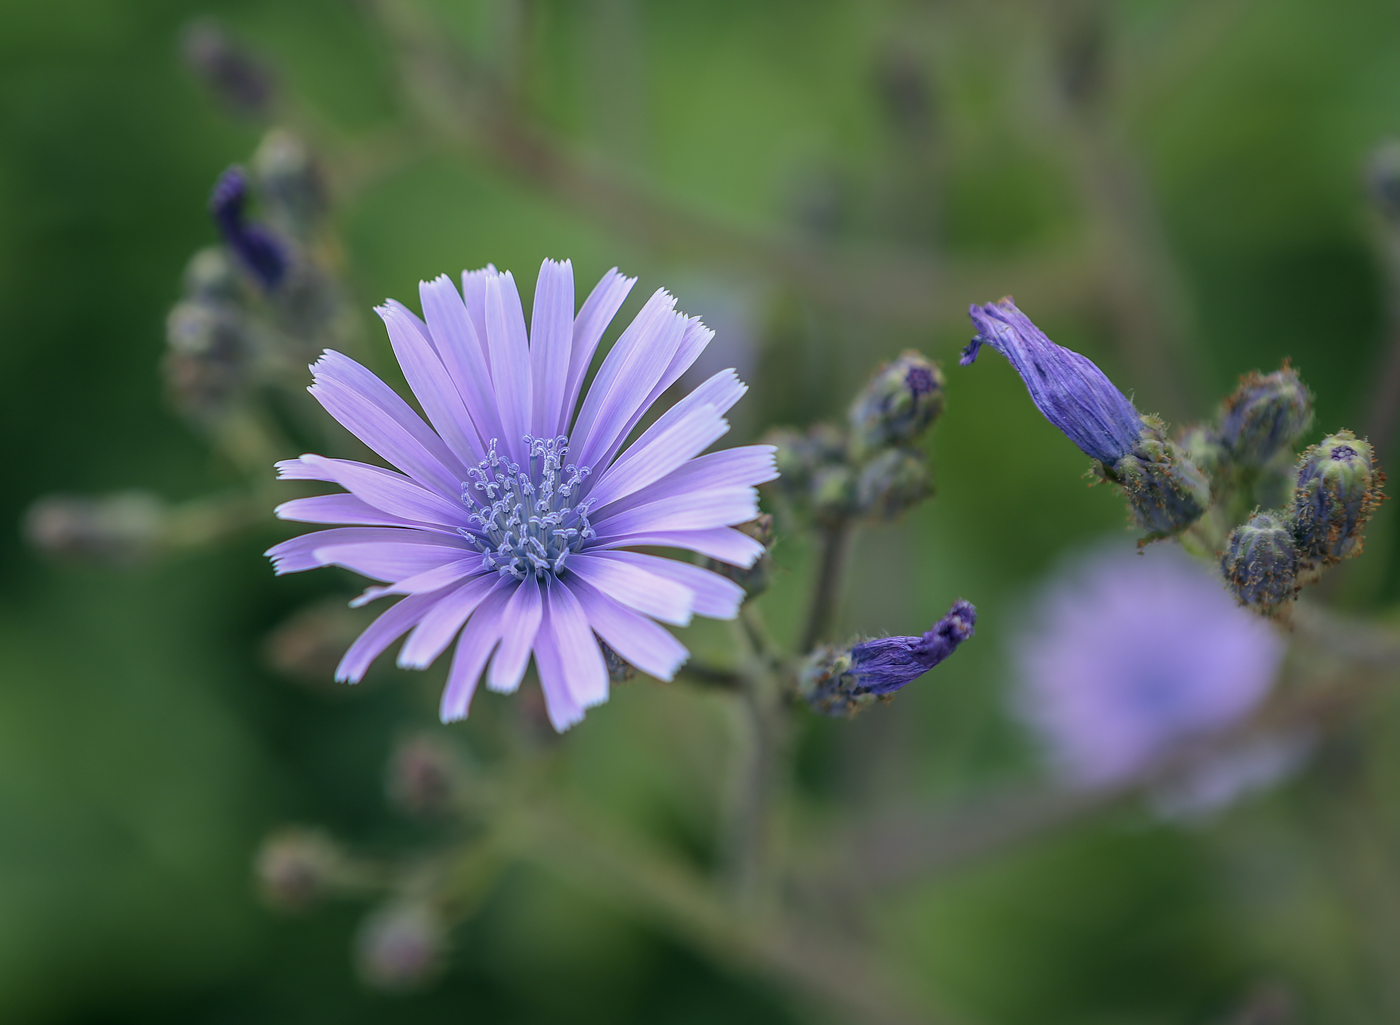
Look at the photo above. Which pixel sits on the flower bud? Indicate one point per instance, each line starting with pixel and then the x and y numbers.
pixel 1338 488
pixel 291 183
pixel 211 277
pixel 799 456
pixel 298 867
pixel 208 357
pixel 426 776
pixel 893 481
pixel 755 579
pixel 840 682
pixel 261 253
pixel 1203 447
pixel 1166 491
pixel 236 77
pixel 1266 415
pixel 401 945
pixel 901 401
pixel 309 644
pixel 123 529
pixel 619 669
pixel 833 494
pixel 1260 563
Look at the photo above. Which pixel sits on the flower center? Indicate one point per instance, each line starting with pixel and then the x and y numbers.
pixel 524 520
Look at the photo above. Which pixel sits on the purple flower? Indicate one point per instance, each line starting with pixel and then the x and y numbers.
pixel 1131 655
pixel 507 526
pixel 1074 394
pixel 259 250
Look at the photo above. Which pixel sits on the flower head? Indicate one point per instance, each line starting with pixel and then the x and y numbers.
pixel 1260 562
pixel 1129 656
pixel 840 682
pixel 1074 394
pixel 507 522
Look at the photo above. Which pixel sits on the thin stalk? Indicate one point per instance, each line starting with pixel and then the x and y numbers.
pixel 835 543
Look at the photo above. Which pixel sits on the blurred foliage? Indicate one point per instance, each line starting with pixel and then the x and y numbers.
pixel 146 745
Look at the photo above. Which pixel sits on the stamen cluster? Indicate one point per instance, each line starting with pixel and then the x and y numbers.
pixel 524 521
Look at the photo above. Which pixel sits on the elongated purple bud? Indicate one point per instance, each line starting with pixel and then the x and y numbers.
pixel 259 250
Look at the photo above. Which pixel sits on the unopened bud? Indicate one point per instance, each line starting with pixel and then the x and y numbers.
pixel 310 643
pixel 1203 447
pixel 291 183
pixel 799 456
pixel 208 357
pixel 1339 486
pixel 892 482
pixel 264 255
pixel 1166 492
pixel 1266 415
pixel 297 867
pixel 1260 562
pixel 211 278
pixel 401 945
pixel 833 494
pixel 619 669
pixel 426 776
pixel 233 73
pixel 122 529
pixel 901 401
pixel 841 682
pixel 756 578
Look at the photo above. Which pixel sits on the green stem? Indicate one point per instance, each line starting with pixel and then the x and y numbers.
pixel 835 541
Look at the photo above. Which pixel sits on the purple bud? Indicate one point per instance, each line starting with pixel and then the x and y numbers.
pixel 235 75
pixel 261 253
pixel 839 682
pixel 1074 394
pixel 401 945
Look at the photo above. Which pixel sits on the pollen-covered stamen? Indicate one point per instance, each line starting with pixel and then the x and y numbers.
pixel 523 519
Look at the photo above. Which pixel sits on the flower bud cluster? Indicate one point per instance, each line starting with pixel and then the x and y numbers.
pixel 264 302
pixel 871 468
pixel 840 682
pixel 1271 557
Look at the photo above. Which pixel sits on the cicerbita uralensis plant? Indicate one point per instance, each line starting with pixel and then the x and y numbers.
pixel 1127 656
pixel 1165 490
pixel 1338 488
pixel 507 526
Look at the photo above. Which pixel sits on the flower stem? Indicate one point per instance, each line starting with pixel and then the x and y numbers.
pixel 835 542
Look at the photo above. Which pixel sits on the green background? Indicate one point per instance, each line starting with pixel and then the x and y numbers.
pixel 145 747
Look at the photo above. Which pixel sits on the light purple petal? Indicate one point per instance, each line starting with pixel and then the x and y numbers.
pixel 551 338
pixel 730 467
pixel 598 311
pixel 297 554
pixel 693 341
pixel 461 347
pixel 384 631
pixel 634 587
pixel 296 469
pixel 474 647
pixel 723 543
pixel 626 376
pixel 715 596
pixel 343 507
pixel 431 383
pixel 434 579
pixel 391 561
pixel 510 363
pixel 645 644
pixel 474 297
pixel 337 368
pixel 559 702
pixel 519 624
pixel 718 507
pixel 662 449
pixel 441 623
pixel 389 491
pixel 585 672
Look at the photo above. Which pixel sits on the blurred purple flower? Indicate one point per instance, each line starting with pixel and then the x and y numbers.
pixel 1130 655
pixel 1074 394
pixel 260 251
pixel 508 520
